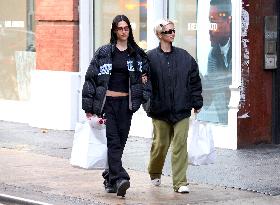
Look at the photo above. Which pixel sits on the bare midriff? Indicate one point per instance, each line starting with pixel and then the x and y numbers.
pixel 115 94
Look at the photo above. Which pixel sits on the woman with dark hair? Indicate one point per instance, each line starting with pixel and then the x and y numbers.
pixel 116 86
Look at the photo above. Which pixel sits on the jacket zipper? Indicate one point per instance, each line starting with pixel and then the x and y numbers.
pixel 103 103
pixel 170 72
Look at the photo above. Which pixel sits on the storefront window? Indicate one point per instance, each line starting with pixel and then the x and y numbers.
pixel 183 13
pixel 208 39
pixel 105 11
pixel 17 50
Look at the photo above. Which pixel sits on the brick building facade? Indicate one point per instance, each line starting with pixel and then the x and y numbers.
pixel 57 35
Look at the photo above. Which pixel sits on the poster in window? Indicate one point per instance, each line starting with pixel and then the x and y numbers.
pixel 214 58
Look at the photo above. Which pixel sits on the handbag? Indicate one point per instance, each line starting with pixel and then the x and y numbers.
pixel 201 150
pixel 89 150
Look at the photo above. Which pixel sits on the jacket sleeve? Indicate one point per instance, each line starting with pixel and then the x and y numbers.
pixel 145 65
pixel 89 87
pixel 195 86
pixel 147 87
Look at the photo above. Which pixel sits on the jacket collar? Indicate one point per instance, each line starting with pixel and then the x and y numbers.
pixel 131 51
pixel 159 48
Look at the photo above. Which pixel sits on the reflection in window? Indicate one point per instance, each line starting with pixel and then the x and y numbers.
pixel 183 13
pixel 105 11
pixel 218 73
pixel 208 39
pixel 17 58
pixel 30 43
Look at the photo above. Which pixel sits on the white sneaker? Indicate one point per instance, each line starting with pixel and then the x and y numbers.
pixel 156 182
pixel 183 189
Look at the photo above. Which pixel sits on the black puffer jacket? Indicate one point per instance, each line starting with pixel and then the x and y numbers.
pixel 176 85
pixel 98 75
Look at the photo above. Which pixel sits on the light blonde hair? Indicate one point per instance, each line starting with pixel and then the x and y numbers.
pixel 159 26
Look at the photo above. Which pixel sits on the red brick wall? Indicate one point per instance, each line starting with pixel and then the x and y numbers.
pixel 57 35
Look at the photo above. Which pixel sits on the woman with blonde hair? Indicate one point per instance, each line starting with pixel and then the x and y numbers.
pixel 176 90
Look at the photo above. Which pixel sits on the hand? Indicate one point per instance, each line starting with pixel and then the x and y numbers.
pixel 196 111
pixel 89 115
pixel 144 78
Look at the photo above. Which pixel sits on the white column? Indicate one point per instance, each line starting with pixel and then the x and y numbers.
pixel 155 11
pixel 236 71
pixel 85 44
pixel 236 43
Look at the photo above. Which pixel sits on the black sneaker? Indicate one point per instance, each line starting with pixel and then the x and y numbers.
pixel 109 188
pixel 122 186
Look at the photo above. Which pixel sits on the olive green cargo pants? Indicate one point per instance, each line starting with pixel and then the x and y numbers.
pixel 164 135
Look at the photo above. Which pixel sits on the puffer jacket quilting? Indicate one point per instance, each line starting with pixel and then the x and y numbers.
pixel 98 75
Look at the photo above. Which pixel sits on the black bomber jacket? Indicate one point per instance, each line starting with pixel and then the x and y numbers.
pixel 176 84
pixel 98 75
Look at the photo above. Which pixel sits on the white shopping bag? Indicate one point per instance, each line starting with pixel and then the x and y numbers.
pixel 89 149
pixel 201 150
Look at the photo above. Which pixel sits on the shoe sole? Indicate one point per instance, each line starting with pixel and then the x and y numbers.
pixel 183 192
pixel 110 190
pixel 124 185
pixel 156 182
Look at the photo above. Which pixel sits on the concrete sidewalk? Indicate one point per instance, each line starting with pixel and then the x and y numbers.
pixel 34 174
pixel 34 164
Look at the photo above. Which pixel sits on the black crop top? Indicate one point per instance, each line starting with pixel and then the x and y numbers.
pixel 119 75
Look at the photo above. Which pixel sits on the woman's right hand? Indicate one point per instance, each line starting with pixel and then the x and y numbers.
pixel 89 115
pixel 144 78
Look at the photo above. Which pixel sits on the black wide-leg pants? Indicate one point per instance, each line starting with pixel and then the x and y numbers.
pixel 118 121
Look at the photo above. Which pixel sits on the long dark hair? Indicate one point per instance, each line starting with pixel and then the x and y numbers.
pixel 131 42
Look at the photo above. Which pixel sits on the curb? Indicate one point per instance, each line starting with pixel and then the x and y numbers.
pixel 18 200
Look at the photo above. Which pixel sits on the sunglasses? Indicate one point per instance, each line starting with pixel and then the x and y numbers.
pixel 168 32
pixel 126 28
